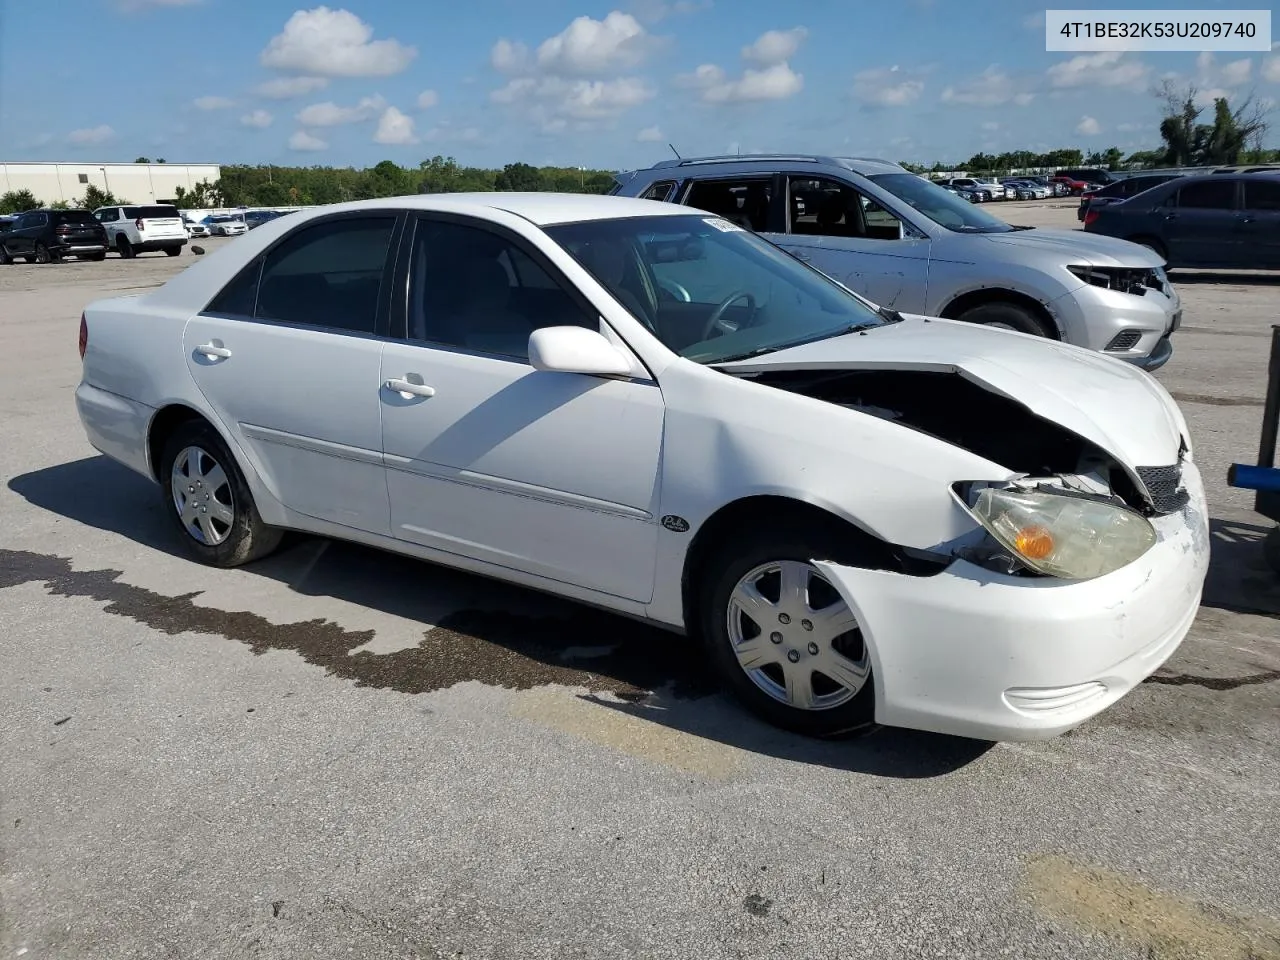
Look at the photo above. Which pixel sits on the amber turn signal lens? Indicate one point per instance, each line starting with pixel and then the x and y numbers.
pixel 1034 543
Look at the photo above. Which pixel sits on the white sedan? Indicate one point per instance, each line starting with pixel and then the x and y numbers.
pixel 863 517
pixel 224 226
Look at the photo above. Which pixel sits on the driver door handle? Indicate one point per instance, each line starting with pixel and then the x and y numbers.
pixel 407 388
pixel 213 351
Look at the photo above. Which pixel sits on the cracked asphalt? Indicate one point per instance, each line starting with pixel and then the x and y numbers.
pixel 338 752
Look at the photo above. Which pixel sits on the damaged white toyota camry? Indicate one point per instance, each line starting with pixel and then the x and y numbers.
pixel 864 517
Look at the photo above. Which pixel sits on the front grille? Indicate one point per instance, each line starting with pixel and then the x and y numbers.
pixel 1125 340
pixel 1164 486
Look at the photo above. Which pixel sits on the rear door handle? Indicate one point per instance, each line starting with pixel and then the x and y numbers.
pixel 407 388
pixel 213 351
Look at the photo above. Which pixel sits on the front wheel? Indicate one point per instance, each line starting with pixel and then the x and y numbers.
pixel 782 638
pixel 1006 316
pixel 206 495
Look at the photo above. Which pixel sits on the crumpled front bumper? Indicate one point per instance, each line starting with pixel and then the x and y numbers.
pixel 973 653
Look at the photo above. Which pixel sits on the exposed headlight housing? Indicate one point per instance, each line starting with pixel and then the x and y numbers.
pixel 1064 535
pixel 1134 280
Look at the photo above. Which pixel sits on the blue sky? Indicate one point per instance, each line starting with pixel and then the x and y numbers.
pixel 572 83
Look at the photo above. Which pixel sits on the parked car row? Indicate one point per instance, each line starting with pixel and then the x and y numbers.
pixel 910 245
pixel 48 235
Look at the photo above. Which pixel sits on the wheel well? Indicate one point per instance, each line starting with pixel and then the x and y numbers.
pixel 774 513
pixel 978 298
pixel 167 420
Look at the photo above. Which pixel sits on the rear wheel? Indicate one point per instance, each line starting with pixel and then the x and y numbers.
pixel 42 254
pixel 207 497
pixel 1006 316
pixel 781 637
pixel 173 251
pixel 125 247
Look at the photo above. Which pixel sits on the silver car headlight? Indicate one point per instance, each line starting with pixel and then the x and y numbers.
pixel 1068 537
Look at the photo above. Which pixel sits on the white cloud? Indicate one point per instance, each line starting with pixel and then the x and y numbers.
pixel 395 128
pixel 594 47
pixel 991 88
pixel 774 46
pixel 334 43
pixel 90 135
pixel 329 114
pixel 773 83
pixel 258 119
pixel 649 135
pixel 1088 127
pixel 1233 74
pixel 1236 72
pixel 1271 69
pixel 428 99
pixel 286 88
pixel 301 140
pixel 508 57
pixel 887 86
pixel 212 103
pixel 777 81
pixel 1110 68
pixel 577 99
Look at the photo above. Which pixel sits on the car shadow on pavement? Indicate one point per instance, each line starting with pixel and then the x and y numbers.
pixel 1240 580
pixel 474 629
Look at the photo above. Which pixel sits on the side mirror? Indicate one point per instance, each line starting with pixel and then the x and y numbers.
pixel 576 350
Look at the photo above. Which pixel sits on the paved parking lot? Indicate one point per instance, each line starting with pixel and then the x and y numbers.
pixel 337 752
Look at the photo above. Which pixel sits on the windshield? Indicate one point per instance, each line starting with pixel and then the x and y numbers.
pixel 941 206
pixel 709 290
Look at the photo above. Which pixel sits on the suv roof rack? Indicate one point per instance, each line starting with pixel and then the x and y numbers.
pixel 748 158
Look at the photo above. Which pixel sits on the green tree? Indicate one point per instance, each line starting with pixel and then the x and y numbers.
pixel 1188 142
pixel 202 196
pixel 59 205
pixel 142 160
pixel 17 201
pixel 94 198
pixel 518 177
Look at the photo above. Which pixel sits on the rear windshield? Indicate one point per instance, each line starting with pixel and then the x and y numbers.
pixel 151 213
pixel 74 216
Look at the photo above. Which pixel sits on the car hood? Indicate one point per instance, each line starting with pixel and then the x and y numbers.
pixel 1112 404
pixel 1082 248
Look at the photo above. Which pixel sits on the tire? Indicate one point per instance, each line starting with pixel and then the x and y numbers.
pixel 229 531
pixel 172 251
pixel 838 706
pixel 1008 316
pixel 1152 244
pixel 125 247
pixel 42 254
pixel 5 259
pixel 98 257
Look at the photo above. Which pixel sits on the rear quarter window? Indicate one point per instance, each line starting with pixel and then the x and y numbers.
pixel 74 216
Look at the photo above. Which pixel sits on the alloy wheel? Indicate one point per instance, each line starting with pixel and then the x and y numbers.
pixel 202 496
pixel 796 638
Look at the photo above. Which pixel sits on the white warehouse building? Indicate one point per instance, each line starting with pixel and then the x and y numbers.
pixel 130 182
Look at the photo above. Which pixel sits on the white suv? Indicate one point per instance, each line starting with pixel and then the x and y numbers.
pixel 133 230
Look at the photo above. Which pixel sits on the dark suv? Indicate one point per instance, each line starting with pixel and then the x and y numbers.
pixel 45 236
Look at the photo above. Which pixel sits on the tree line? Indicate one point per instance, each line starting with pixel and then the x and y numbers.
pixel 1233 136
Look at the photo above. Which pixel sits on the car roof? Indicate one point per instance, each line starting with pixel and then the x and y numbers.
pixel 867 166
pixel 543 209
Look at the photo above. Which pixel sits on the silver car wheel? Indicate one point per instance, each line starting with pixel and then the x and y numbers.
pixel 796 638
pixel 202 496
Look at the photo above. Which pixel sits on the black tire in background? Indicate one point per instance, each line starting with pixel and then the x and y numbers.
pixel 125 247
pixel 1009 315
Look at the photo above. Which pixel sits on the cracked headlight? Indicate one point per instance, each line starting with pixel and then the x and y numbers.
pixel 1069 537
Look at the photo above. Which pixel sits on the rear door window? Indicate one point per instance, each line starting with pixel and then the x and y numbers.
pixel 1208 195
pixel 1262 195
pixel 743 201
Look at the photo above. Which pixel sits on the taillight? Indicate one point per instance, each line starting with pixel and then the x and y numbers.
pixel 84 336
pixel 1090 216
pixel 138 223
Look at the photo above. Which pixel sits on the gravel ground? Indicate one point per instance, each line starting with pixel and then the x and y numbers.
pixel 338 752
